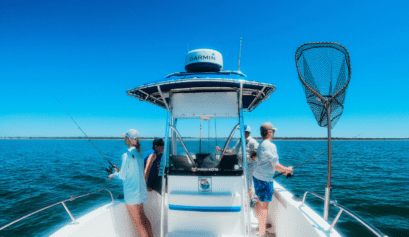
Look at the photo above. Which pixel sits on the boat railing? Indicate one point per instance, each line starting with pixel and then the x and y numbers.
pixel 183 145
pixel 344 209
pixel 228 141
pixel 72 198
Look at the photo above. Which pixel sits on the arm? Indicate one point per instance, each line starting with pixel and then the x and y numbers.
pixel 149 164
pixel 228 151
pixel 232 151
pixel 236 148
pixel 273 159
pixel 283 169
pixel 274 162
pixel 253 155
pixel 253 147
pixel 123 172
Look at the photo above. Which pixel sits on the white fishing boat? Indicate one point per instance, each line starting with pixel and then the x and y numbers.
pixel 198 199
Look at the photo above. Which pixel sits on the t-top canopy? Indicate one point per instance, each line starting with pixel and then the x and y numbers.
pixel 158 91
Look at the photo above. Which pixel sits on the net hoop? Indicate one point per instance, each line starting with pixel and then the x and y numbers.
pixel 298 54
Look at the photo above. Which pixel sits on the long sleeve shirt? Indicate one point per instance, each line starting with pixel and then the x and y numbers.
pixel 267 159
pixel 132 176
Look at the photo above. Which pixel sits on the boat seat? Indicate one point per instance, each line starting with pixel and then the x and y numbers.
pixel 228 162
pixel 200 158
pixel 180 162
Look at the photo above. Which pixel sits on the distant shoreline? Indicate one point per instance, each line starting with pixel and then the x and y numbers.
pixel 204 139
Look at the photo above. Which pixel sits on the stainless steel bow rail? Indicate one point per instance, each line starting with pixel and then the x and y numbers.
pixel 342 208
pixel 63 203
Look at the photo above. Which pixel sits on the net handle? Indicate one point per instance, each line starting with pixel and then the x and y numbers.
pixel 311 89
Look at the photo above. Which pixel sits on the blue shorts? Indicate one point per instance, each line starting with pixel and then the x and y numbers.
pixel 264 190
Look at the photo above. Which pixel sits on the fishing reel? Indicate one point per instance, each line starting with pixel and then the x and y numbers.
pixel 290 175
pixel 109 170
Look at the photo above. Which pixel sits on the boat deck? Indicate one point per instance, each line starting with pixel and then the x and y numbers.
pixel 287 216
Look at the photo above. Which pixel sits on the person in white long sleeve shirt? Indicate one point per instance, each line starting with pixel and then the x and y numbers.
pixel 267 164
pixel 132 176
pixel 251 149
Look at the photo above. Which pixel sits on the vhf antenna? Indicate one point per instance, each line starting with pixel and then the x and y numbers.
pixel 240 52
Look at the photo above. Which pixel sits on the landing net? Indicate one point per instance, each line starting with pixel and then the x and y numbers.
pixel 324 70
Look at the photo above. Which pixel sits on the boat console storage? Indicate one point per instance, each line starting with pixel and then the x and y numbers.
pixel 201 180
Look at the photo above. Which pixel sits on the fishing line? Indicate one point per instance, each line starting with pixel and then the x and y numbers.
pixel 290 175
pixel 109 170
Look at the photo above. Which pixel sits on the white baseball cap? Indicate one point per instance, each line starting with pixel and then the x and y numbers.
pixel 132 134
pixel 247 128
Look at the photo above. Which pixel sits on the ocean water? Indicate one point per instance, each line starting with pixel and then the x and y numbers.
pixel 368 177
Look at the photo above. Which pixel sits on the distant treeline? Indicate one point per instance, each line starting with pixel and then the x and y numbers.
pixel 336 138
pixel 219 138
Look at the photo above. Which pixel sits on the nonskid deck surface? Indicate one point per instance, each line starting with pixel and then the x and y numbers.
pixel 254 223
pixel 286 215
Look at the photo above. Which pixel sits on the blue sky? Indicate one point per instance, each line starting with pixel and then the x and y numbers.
pixel 88 53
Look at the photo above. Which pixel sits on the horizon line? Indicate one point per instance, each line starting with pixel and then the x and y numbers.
pixel 198 138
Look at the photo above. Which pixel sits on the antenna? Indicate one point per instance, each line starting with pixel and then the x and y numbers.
pixel 240 52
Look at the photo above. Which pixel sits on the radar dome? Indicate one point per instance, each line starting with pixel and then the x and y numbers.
pixel 203 60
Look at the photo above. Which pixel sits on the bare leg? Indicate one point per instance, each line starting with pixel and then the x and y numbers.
pixel 262 213
pixel 142 223
pixel 250 193
pixel 146 222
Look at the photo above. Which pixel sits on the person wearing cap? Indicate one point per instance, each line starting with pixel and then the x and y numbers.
pixel 267 164
pixel 251 149
pixel 152 165
pixel 132 176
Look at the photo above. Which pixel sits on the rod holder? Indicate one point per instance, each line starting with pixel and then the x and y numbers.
pixel 326 203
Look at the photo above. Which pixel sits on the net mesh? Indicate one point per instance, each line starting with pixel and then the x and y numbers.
pixel 324 70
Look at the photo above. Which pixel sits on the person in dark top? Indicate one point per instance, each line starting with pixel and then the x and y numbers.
pixel 152 166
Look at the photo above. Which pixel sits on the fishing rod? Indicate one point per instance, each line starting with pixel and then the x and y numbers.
pixel 109 169
pixel 291 175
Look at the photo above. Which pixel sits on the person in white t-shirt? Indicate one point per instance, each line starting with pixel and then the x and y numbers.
pixel 267 164
pixel 251 149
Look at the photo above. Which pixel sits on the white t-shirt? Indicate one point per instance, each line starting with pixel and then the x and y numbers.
pixel 251 145
pixel 267 159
